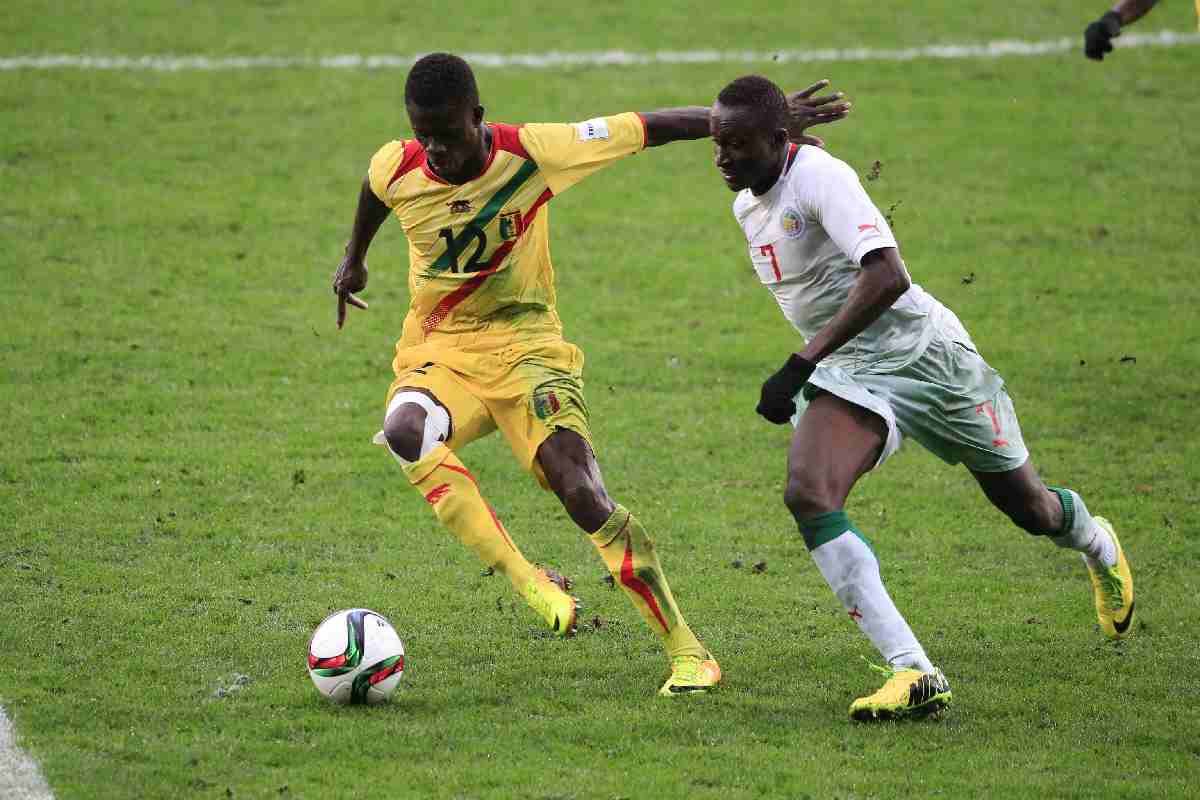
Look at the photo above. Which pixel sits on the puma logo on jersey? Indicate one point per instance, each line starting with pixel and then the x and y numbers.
pixel 873 226
pixel 460 206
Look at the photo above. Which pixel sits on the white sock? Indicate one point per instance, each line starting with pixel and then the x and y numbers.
pixel 851 570
pixel 1080 532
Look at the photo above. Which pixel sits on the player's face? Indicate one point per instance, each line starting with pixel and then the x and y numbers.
pixel 452 137
pixel 748 154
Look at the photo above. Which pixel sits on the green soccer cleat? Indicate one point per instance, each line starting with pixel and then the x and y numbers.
pixel 1113 590
pixel 546 593
pixel 691 675
pixel 907 693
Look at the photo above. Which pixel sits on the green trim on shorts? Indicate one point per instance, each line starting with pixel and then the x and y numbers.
pixel 824 528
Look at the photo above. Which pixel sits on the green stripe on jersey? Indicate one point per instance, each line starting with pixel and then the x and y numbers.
pixel 486 214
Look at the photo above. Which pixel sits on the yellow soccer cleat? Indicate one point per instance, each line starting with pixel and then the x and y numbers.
pixel 546 593
pixel 691 675
pixel 1113 590
pixel 907 693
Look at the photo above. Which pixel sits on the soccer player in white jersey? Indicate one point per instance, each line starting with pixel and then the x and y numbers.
pixel 881 359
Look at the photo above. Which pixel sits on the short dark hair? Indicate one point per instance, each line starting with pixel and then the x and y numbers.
pixel 441 79
pixel 760 94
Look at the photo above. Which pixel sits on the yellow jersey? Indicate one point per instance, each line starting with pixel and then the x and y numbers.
pixel 479 252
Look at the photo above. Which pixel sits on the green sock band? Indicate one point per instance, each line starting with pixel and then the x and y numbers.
pixel 613 527
pixel 824 528
pixel 1068 507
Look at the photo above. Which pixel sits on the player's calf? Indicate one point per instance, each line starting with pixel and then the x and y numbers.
pixel 1023 498
pixel 587 503
pixel 574 476
pixel 1039 516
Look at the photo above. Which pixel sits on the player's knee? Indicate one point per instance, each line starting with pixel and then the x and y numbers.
pixel 404 430
pixel 807 494
pixel 415 424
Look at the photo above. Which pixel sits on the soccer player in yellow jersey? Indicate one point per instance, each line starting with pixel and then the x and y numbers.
pixel 482 346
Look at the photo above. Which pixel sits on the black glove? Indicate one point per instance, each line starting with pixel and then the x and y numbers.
pixel 777 403
pixel 1097 38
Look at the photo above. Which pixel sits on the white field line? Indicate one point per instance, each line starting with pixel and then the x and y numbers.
pixel 20 778
pixel 602 58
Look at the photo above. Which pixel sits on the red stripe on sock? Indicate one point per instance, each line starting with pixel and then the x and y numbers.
pixel 500 527
pixel 437 493
pixel 460 471
pixel 637 585
pixel 495 519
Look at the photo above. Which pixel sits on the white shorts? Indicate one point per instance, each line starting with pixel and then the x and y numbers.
pixel 950 400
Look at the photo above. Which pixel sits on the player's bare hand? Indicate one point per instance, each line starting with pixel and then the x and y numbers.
pixel 351 277
pixel 806 108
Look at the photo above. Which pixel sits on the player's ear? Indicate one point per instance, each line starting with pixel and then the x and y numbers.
pixel 477 115
pixel 779 137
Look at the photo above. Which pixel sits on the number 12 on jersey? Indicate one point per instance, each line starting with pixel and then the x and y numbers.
pixel 455 248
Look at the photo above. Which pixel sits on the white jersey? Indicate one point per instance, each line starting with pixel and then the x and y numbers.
pixel 808 236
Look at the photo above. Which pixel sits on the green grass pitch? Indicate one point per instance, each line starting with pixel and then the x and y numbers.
pixel 187 484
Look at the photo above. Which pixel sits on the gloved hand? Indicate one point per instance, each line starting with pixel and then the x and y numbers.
pixel 1097 38
pixel 777 403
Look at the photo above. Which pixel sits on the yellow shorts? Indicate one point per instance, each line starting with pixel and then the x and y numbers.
pixel 527 390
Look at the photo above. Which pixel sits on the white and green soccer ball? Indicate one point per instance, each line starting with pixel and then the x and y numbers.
pixel 355 656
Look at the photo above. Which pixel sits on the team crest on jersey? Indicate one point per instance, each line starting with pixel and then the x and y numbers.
pixel 792 223
pixel 460 206
pixel 510 225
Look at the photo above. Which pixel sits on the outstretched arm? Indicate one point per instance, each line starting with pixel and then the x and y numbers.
pixel 804 111
pixel 675 124
pixel 351 274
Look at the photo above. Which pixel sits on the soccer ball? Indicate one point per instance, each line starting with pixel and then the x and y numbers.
pixel 355 656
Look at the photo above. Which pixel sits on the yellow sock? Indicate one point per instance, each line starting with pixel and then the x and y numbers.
pixel 451 489
pixel 628 552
